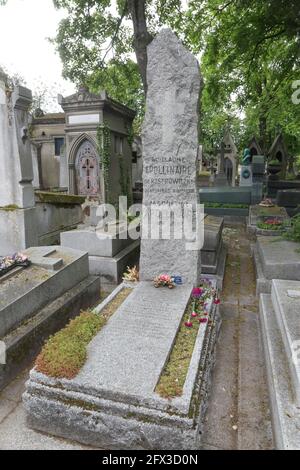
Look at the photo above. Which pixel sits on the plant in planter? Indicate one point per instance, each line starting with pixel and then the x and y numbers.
pixel 272 223
pixel 293 233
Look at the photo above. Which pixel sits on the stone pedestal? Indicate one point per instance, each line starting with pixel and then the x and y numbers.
pixel 246 175
pixel 109 255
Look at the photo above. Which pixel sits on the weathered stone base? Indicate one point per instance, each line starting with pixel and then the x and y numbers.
pixel 112 269
pixel 219 270
pixel 263 285
pixel 109 254
pixel 17 230
pixel 213 253
pixel 24 343
pixel 130 416
pixel 283 381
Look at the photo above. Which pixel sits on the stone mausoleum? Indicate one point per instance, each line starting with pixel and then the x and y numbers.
pixel 67 147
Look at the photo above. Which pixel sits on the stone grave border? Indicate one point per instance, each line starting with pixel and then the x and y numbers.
pixel 180 417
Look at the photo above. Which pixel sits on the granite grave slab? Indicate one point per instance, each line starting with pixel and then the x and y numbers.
pixel 280 330
pixel 50 291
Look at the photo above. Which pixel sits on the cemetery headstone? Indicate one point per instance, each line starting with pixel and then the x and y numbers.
pixel 170 137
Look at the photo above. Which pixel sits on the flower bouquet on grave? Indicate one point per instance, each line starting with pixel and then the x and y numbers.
pixel 200 296
pixel 266 203
pixel 164 280
pixel 21 260
pixel 7 263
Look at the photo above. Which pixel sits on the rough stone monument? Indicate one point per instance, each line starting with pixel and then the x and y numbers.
pixel 113 402
pixel 170 137
pixel 16 191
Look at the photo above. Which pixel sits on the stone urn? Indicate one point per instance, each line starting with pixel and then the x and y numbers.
pixel 274 167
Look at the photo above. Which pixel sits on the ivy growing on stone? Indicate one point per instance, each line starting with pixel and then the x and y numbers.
pixel 104 150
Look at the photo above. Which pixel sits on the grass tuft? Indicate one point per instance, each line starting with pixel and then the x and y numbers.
pixel 172 380
pixel 64 354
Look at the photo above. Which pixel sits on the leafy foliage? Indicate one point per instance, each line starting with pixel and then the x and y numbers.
pixel 293 233
pixel 249 51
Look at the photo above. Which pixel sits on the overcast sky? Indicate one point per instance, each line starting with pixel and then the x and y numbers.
pixel 25 26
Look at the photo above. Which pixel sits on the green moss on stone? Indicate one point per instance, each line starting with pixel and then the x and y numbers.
pixel 59 198
pixel 217 205
pixel 65 353
pixel 10 208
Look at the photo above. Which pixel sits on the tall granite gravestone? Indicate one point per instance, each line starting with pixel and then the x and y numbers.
pixel 170 138
pixel 16 191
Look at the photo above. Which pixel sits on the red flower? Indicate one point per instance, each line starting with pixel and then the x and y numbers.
pixel 188 324
pixel 217 301
pixel 202 320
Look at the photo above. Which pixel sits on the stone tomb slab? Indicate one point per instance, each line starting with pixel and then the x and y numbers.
pixel 97 242
pixel 285 413
pixel 287 308
pixel 37 301
pixel 112 403
pixel 137 340
pixel 279 258
pixel 32 288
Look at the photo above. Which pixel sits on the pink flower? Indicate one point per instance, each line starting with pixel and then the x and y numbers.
pixel 217 301
pixel 194 314
pixel 165 278
pixel 188 324
pixel 197 292
pixel 202 320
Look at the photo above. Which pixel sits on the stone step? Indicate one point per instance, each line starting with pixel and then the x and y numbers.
pixel 287 310
pixel 285 415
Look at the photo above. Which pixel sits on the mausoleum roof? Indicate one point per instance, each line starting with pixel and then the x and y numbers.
pixel 84 100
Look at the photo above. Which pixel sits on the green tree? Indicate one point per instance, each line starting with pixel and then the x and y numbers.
pixel 250 49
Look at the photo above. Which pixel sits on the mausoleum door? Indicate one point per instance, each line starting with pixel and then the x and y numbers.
pixel 228 170
pixel 87 170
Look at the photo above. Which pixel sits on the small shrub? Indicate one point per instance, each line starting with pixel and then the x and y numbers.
pixel 293 233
